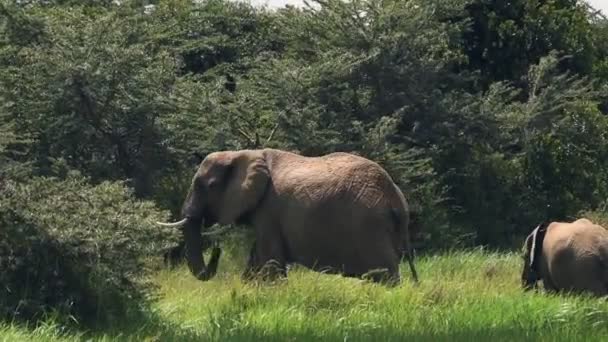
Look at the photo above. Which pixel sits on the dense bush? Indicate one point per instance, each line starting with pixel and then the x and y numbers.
pixel 91 77
pixel 506 37
pixel 562 163
pixel 71 247
pixel 520 162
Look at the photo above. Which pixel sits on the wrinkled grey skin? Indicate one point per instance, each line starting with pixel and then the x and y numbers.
pixel 567 257
pixel 338 213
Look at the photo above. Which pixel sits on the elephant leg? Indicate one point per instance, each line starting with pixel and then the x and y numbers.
pixel 269 270
pixel 252 264
pixel 391 278
pixel 268 257
pixel 597 289
pixel 549 285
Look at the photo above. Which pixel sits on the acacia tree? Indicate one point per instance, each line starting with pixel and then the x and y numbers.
pixel 89 88
pixel 345 82
pixel 462 100
pixel 507 37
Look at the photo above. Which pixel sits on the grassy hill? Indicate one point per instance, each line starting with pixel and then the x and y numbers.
pixel 463 296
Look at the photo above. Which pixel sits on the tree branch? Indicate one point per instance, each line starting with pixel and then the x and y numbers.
pixel 274 130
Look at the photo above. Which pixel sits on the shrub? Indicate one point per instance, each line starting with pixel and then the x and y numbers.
pixel 71 247
pixel 598 216
pixel 565 166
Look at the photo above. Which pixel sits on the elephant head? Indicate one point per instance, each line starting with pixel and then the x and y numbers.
pixel 225 189
pixel 532 254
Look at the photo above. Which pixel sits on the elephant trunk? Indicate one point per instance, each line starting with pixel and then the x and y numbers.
pixel 194 252
pixel 194 217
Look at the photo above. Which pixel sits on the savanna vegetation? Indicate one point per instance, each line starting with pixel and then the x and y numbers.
pixel 490 115
pixel 464 296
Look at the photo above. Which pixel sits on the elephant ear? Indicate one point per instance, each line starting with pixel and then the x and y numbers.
pixel 538 235
pixel 247 179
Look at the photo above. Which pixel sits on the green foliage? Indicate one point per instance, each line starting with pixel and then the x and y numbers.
pixel 215 35
pixel 564 143
pixel 562 163
pixel 490 115
pixel 90 77
pixel 344 83
pixel 502 180
pixel 8 138
pixel 73 248
pixel 600 35
pixel 506 37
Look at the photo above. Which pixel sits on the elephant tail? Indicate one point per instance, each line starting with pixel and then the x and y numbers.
pixel 401 219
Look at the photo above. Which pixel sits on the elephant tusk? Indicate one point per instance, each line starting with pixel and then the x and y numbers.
pixel 216 232
pixel 173 224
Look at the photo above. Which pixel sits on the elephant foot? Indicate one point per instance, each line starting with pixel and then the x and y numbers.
pixel 271 271
pixel 383 276
pixel 249 274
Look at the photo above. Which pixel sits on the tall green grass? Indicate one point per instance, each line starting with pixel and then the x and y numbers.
pixel 462 296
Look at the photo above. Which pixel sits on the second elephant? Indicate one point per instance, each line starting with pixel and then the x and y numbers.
pixel 567 256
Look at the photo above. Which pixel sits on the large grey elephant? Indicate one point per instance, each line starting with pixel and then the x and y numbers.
pixel 567 256
pixel 338 213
